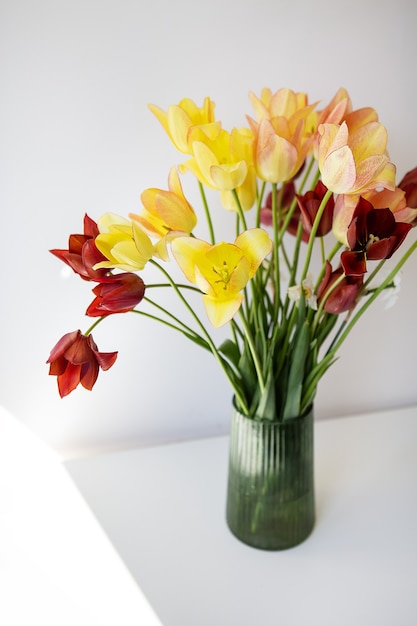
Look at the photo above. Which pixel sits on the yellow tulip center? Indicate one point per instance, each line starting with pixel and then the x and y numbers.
pixel 223 274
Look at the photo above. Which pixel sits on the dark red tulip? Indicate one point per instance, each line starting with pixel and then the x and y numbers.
pixel 75 359
pixel 309 204
pixel 117 293
pixel 288 195
pixel 344 296
pixel 373 234
pixel 82 253
pixel 409 185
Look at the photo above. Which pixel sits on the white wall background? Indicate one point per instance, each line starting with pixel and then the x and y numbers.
pixel 76 136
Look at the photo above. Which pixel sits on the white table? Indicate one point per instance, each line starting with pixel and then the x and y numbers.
pixel 163 510
pixel 57 567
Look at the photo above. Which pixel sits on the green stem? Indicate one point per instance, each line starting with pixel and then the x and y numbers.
pixel 314 229
pixel 253 352
pixel 207 212
pixel 176 319
pixel 239 209
pixel 372 298
pixel 319 311
pixel 259 204
pixel 275 225
pixel 180 285
pixel 294 267
pixel 293 205
pixel 193 336
pixel 373 274
pixel 215 352
pixel 96 323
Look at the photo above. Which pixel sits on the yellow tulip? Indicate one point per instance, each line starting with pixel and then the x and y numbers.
pixel 166 213
pixel 223 270
pixel 181 118
pixel 219 163
pixel 123 243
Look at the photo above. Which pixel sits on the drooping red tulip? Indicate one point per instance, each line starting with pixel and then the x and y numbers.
pixel 76 359
pixel 373 234
pixel 82 253
pixel 117 293
pixel 343 296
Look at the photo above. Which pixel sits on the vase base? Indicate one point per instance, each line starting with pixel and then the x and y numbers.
pixel 286 528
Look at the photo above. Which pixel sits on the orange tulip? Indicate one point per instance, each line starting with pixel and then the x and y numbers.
pixel 166 213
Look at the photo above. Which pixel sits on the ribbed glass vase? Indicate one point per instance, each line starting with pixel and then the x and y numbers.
pixel 270 496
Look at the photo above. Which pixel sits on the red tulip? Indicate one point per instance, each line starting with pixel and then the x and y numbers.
pixel 409 185
pixel 117 293
pixel 344 296
pixel 75 359
pixel 309 204
pixel 82 253
pixel 288 194
pixel 373 234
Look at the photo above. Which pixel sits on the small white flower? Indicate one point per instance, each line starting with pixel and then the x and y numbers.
pixel 294 292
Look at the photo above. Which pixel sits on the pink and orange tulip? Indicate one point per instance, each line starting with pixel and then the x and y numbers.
pixel 353 161
pixel 284 132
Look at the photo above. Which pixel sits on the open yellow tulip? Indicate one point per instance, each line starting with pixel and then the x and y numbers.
pixel 223 270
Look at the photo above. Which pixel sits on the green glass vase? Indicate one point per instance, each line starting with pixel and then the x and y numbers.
pixel 270 494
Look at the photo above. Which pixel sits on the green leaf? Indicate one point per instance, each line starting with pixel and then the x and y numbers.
pixel 231 351
pixel 267 407
pixel 296 372
pixel 248 374
pixel 314 377
pixel 196 339
pixel 326 327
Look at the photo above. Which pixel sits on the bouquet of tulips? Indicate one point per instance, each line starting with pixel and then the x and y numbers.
pixel 310 187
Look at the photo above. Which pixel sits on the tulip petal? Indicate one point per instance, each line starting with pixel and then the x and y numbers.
pixel 69 380
pixel 255 244
pixel 339 171
pixel 353 264
pixel 229 176
pixel 63 345
pixel 186 251
pixel 89 374
pixel 276 157
pixel 219 312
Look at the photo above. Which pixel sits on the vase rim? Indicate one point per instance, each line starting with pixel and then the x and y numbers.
pixel 261 420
